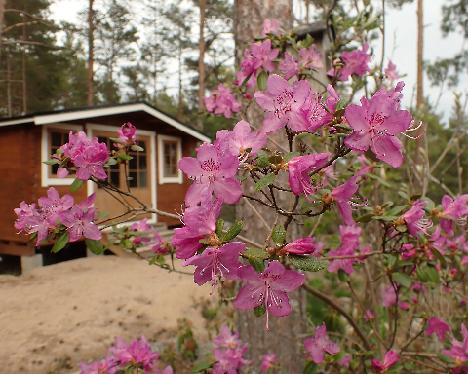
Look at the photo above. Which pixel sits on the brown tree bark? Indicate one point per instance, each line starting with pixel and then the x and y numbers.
pixel 201 55
pixel 283 337
pixel 90 80
pixel 420 55
pixel 2 13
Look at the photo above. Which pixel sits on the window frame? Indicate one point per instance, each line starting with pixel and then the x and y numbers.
pixel 47 179
pixel 163 179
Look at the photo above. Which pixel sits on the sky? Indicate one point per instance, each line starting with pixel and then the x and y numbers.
pixel 400 44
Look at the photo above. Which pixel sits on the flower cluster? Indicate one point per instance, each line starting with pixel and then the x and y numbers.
pixel 229 352
pixel 136 355
pixel 54 214
pixel 222 101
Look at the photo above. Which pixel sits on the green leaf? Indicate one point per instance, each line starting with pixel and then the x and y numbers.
pixel 60 242
pixel 402 279
pixel 219 227
pixel 262 160
pixel 95 246
pixel 265 181
pixel 306 263
pixel 290 155
pixel 262 80
pixel 76 185
pixel 125 157
pixel 427 273
pixel 52 161
pixel 365 218
pixel 203 364
pixel 136 148
pixel 278 234
pixel 111 162
pixel 255 253
pixel 233 231
pixel 259 310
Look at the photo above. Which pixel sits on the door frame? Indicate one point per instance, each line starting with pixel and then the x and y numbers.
pixel 91 186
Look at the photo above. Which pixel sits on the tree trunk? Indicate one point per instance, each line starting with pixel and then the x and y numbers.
pixel 2 12
pixel 23 74
pixel 90 81
pixel 282 337
pixel 201 54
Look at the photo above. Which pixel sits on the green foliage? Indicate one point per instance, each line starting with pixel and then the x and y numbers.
pixel 265 181
pixel 306 263
pixel 278 234
pixel 60 243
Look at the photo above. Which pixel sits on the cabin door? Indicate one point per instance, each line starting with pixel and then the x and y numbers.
pixel 134 177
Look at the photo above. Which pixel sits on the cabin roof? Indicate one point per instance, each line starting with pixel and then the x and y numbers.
pixel 64 115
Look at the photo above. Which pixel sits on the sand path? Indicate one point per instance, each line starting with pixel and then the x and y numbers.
pixel 56 316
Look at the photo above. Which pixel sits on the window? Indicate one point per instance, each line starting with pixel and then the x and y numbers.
pixel 56 139
pixel 137 167
pixel 170 152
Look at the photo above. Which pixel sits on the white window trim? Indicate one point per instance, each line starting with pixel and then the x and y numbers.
pixel 162 179
pixel 46 180
pixel 91 186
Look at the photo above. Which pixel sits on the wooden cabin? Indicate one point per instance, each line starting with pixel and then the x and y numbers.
pixel 153 176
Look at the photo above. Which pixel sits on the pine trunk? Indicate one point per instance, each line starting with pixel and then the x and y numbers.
pixel 90 80
pixel 282 337
pixel 201 54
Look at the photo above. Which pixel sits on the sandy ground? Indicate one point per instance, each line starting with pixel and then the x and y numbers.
pixel 56 316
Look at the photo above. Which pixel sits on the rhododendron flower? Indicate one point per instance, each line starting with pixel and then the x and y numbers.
pixel 222 101
pixel 453 210
pixel 314 113
pixel 79 221
pixel 349 236
pixel 342 195
pixel 240 139
pixel 408 250
pixel 389 296
pixel 213 173
pixel 319 344
pixel 30 220
pixel 263 55
pixel 391 71
pixel 53 205
pixel 200 223
pixel 300 168
pixel 268 289
pixel 280 100
pixel 310 58
pixel 289 66
pixel 127 133
pixel 304 246
pixel 137 353
pixel 268 361
pixel 375 124
pixel 369 315
pixel 459 349
pixel 229 352
pixel 107 365
pixel 390 359
pixel 414 219
pixel 344 361
pixel 354 63
pixel 62 172
pixel 437 326
pixel 217 262
pixel 270 26
pixel 227 339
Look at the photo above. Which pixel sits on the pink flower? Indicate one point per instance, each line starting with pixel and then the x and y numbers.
pixel 300 168
pixel 304 246
pixel 229 352
pixel 459 349
pixel 107 365
pixel 389 296
pixel 349 236
pixel 310 58
pixel 270 26
pixel 354 63
pixel 30 220
pixel 268 361
pixel 342 195
pixel 407 251
pixel 240 139
pixel 200 223
pixel 222 101
pixel 137 353
pixel 53 205
pixel 127 133
pixel 319 344
pixel 314 113
pixel 437 326
pixel 79 221
pixel 344 361
pixel 390 359
pixel 288 66
pixel 62 172
pixel 369 315
pixel 263 55
pixel 391 71
pixel 268 289
pixel 280 100
pixel 227 339
pixel 87 155
pixel 217 262
pixel 414 219
pixel 376 123
pixel 213 173
pixel 453 210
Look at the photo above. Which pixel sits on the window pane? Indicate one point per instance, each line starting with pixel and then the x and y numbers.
pixel 57 138
pixel 115 178
pixel 142 161
pixel 132 179
pixel 133 163
pixel 170 159
pixel 55 169
pixel 142 178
